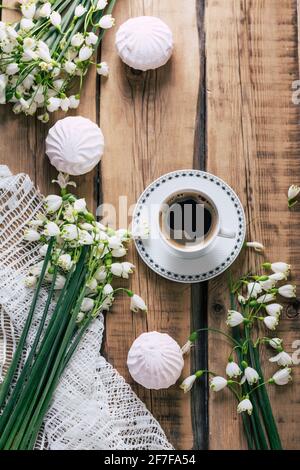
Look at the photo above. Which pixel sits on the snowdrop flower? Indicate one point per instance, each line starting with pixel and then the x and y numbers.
pixel 43 250
pixel 77 40
pixel 254 288
pixel 38 221
pixel 29 55
pixel 85 238
pixel 233 370
pixel 119 252
pixel 86 226
pixel 53 203
pixel 114 242
pixel 283 359
pixel 53 104
pixel 74 102
pixel 51 229
pixel 271 322
pixel 268 284
pixel 234 318
pixel 123 234
pixel 101 4
pixel 69 232
pixel 59 282
pixel 278 267
pixel 30 281
pixel 251 376
pixel 28 43
pixel 28 81
pixel 127 268
pixel 103 69
pixel 58 84
pixel 92 284
pixel 278 277
pixel 28 9
pixel 44 118
pixel 245 406
pixel 65 262
pixel 12 33
pixel 259 247
pixel 137 303
pixel 101 274
pixel 218 383
pixel 87 304
pixel 12 69
pixel 116 269
pixel 36 269
pixel 64 104
pixel 107 303
pixel 63 180
pixel 70 67
pixel 107 289
pixel 79 11
pixel 287 291
pixel 55 19
pixel 80 205
pixel 293 192
pixel 85 53
pixel 91 39
pixel 275 343
pixel 188 383
pixel 26 24
pixel 45 10
pixel 31 235
pixel 186 348
pixel 282 377
pixel 106 22
pixel 274 309
pixel 266 298
pixel 80 317
pixel 43 52
pixel 24 104
pixel 241 299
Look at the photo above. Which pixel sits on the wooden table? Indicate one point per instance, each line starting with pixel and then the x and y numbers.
pixel 224 104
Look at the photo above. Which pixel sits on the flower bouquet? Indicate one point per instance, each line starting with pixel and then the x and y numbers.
pixel 80 260
pixel 48 52
pixel 256 296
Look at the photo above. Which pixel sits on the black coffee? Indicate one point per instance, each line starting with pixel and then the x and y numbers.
pixel 188 219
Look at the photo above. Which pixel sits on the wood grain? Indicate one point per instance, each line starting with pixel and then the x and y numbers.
pixel 253 142
pixel 22 143
pixel 224 103
pixel 148 120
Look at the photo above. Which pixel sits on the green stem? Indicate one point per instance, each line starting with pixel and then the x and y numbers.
pixel 265 405
pixel 18 353
pixel 38 415
pixel 24 373
pixel 47 348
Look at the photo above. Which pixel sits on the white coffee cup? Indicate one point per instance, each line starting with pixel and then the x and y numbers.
pixel 191 202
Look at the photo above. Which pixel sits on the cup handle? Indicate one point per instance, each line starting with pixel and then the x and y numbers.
pixel 226 233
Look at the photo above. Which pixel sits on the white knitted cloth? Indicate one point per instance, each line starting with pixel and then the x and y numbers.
pixel 93 407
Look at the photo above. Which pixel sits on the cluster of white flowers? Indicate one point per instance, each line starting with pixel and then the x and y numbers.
pixel 43 53
pixel 257 298
pixel 67 221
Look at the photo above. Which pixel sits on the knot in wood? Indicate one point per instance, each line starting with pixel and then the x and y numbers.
pixel 218 308
pixel 293 310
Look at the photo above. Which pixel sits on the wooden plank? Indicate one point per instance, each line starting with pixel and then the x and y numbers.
pixel 253 143
pixel 17 139
pixel 148 120
pixel 22 142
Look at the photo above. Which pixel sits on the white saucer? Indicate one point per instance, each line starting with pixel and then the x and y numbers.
pixel 154 251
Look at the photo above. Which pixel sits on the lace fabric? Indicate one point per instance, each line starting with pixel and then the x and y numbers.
pixel 93 407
